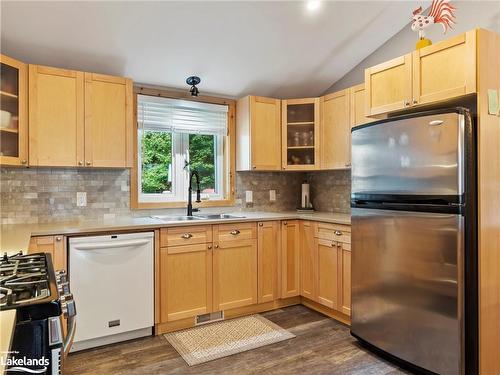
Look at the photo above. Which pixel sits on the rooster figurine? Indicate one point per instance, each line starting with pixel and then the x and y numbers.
pixel 441 12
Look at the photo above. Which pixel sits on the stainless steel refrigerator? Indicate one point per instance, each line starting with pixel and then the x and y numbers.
pixel 414 259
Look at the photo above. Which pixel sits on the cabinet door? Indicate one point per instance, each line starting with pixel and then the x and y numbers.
pixel 328 271
pixel 54 245
pixel 445 70
pixel 357 106
pixel 108 121
pixel 56 131
pixel 14 117
pixel 265 139
pixel 235 274
pixel 335 136
pixel 268 246
pixel 290 259
pixel 185 281
pixel 308 261
pixel 345 251
pixel 388 86
pixel 300 134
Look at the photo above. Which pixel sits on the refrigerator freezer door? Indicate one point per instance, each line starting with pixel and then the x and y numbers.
pixel 407 285
pixel 413 156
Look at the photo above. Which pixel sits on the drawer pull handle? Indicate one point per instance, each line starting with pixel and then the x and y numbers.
pixel 187 236
pixel 235 232
pixel 338 233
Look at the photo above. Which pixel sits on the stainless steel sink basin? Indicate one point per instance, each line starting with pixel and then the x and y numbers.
pixel 219 216
pixel 176 218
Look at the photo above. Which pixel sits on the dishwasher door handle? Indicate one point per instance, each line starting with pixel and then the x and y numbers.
pixel 110 245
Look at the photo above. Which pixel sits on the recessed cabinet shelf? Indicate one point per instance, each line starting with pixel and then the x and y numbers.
pixel 8 130
pixel 301 123
pixel 3 93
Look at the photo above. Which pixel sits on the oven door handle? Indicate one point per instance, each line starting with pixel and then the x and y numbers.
pixel 68 340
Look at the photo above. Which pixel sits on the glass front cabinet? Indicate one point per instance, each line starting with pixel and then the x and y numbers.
pixel 300 132
pixel 13 112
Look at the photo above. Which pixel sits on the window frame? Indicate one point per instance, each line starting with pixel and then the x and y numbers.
pixel 227 147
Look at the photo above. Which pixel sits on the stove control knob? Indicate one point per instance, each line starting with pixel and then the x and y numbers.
pixel 69 308
pixel 61 276
pixel 63 288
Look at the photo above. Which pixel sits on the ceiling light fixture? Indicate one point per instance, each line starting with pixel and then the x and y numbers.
pixel 313 5
pixel 193 81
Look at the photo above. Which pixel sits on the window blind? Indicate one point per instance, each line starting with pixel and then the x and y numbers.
pixel 181 116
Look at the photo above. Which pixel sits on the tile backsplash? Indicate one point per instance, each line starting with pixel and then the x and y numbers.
pixel 41 195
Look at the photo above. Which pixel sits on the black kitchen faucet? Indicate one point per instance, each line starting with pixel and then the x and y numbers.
pixel 190 192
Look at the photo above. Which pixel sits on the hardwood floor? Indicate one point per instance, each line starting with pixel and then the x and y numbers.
pixel 322 346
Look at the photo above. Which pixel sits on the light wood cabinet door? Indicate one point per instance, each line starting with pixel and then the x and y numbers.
pixel 185 281
pixel 14 105
pixel 290 258
pixel 388 86
pixel 265 133
pixel 108 121
pixel 345 288
pixel 357 106
pixel 54 245
pixel 308 261
pixel 328 273
pixel 335 133
pixel 445 70
pixel 56 117
pixel 234 274
pixel 268 247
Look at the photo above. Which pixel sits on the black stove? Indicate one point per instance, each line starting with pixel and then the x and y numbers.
pixel 43 303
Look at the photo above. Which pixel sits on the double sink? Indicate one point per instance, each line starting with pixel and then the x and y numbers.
pixel 170 218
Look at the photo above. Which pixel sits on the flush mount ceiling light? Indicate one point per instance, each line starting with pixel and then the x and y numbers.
pixel 193 81
pixel 313 5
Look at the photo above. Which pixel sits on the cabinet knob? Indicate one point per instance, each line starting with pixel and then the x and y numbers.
pixel 24 161
pixel 261 224
pixel 407 103
pixel 338 233
pixel 88 163
pixel 235 232
pixel 347 164
pixel 415 101
pixel 333 244
pixel 285 223
pixel 80 162
pixel 187 236
pixel 58 238
pixel 254 167
pixel 209 247
pixel 216 246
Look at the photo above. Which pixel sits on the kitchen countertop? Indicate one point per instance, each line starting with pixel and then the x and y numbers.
pixel 7 325
pixel 15 237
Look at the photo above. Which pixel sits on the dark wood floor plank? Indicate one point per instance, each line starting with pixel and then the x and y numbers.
pixel 322 347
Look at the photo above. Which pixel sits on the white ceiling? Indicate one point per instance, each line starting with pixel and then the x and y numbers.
pixel 264 48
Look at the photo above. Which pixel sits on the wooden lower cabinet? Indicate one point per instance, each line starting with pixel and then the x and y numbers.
pixel 268 246
pixel 345 296
pixel 328 271
pixel 290 259
pixel 234 274
pixel 186 281
pixel 54 245
pixel 308 261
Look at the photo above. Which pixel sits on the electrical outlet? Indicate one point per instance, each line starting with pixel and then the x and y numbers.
pixel 81 199
pixel 272 195
pixel 248 196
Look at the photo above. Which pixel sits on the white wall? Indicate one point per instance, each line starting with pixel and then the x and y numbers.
pixel 470 15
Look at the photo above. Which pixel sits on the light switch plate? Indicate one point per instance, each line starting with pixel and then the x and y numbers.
pixel 81 199
pixel 248 196
pixel 272 195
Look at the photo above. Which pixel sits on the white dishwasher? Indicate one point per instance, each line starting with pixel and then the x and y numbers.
pixel 111 279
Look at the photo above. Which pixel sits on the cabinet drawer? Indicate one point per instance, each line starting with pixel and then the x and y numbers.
pixel 235 232
pixel 185 235
pixel 333 232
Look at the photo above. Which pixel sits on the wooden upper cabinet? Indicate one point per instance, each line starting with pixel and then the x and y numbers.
pixel 445 70
pixel 185 281
pixel 290 259
pixel 300 134
pixel 308 261
pixel 234 266
pixel 388 86
pixel 108 121
pixel 56 120
pixel 14 112
pixel 357 106
pixel 268 247
pixel 258 134
pixel 335 128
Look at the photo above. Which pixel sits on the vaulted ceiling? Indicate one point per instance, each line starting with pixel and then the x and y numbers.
pixel 267 48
